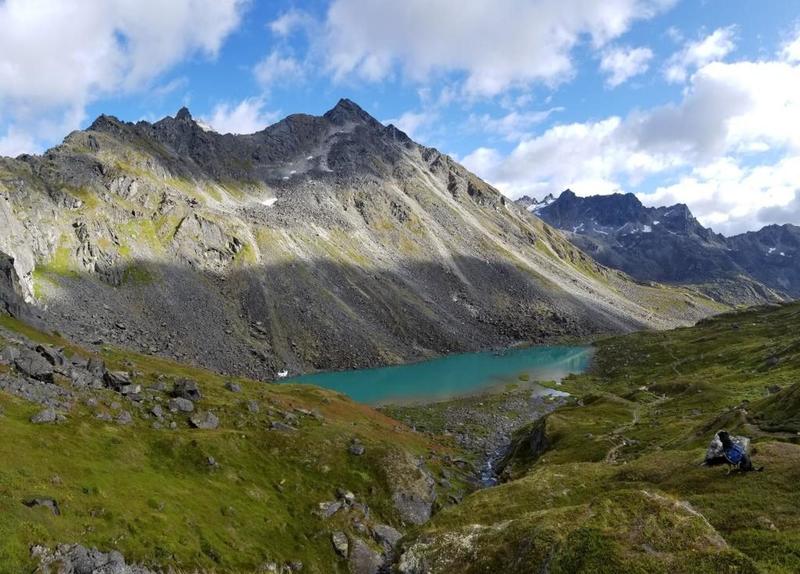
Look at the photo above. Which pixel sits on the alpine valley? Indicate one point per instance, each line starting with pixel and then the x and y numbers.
pixel 157 279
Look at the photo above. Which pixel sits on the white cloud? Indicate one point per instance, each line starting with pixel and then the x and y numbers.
pixel 712 48
pixel 513 125
pixel 497 44
pixel 278 69
pixel 729 116
pixel 621 64
pixel 732 198
pixel 288 22
pixel 246 117
pixel 56 57
pixel 412 122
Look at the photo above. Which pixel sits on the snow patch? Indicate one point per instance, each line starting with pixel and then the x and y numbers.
pixel 647 229
pixel 270 201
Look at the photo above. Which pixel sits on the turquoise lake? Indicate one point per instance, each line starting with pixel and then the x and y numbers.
pixel 453 375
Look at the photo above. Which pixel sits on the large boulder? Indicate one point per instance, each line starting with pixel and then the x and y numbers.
pixel 34 365
pixel 413 487
pixel 363 559
pixel 204 420
pixel 186 389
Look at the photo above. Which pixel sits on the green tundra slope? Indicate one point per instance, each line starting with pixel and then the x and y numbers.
pixel 242 497
pixel 612 482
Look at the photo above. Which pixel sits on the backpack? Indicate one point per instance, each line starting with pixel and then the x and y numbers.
pixel 735 454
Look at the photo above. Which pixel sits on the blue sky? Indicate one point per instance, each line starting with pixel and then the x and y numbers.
pixel 689 101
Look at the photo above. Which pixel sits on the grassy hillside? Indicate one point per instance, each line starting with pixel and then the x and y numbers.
pixel 154 494
pixel 612 482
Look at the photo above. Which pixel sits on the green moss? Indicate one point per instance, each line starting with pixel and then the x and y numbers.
pixel 151 493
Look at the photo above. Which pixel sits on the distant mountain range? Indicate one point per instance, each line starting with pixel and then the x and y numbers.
pixel 667 244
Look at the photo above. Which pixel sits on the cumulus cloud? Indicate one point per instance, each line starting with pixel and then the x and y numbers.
pixel 289 22
pixel 512 126
pixel 246 117
pixel 729 116
pixel 278 68
pixel 56 57
pixel 412 122
pixel 697 54
pixel 621 64
pixel 496 44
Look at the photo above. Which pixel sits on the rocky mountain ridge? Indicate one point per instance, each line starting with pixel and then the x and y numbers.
pixel 317 243
pixel 668 244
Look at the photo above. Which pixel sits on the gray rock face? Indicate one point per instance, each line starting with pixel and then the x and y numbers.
pixel 34 365
pixel 12 299
pixel 77 559
pixel 204 420
pixel 363 559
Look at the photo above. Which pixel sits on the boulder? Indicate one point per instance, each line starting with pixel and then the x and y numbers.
pixel 340 543
pixel 204 420
pixel 386 535
pixel 186 389
pixel 33 365
pixel 44 417
pixel 363 559
pixel 44 502
pixel 51 355
pixel 356 448
pixel 124 418
pixel 181 405
pixel 329 508
pixel 233 387
pixel 116 380
pixel 96 366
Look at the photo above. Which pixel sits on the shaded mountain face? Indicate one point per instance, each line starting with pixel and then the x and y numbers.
pixel 318 243
pixel 668 244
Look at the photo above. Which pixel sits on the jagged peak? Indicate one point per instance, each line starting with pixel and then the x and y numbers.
pixel 348 111
pixel 184 114
pixel 103 122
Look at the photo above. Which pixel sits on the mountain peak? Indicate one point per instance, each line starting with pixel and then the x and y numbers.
pixel 183 114
pixel 348 111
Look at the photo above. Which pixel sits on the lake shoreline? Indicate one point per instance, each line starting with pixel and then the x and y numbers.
pixel 454 376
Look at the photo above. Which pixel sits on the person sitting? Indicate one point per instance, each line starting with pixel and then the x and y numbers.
pixel 730 450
